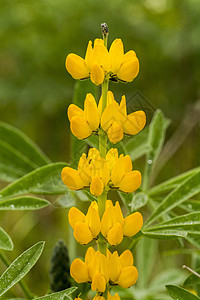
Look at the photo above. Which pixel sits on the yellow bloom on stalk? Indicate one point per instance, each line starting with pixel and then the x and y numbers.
pixel 84 122
pixel 97 173
pixel 100 63
pixel 115 121
pixel 101 270
pixel 113 225
pixel 86 228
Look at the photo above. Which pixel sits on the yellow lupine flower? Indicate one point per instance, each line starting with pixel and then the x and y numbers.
pixel 114 297
pixel 86 228
pixel 99 63
pixel 114 226
pixel 84 122
pixel 96 173
pixel 101 270
pixel 116 122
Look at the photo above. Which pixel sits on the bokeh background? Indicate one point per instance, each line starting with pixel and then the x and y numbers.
pixel 35 89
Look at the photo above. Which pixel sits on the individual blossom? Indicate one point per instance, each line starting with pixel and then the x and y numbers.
pixel 100 270
pixel 114 226
pixel 86 227
pixel 84 122
pixel 109 297
pixel 99 63
pixel 116 122
pixel 96 173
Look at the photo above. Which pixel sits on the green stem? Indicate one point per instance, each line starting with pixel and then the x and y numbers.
pixel 22 284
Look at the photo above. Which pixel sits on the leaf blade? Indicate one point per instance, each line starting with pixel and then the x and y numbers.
pixel 23 203
pixel 178 293
pixel 5 240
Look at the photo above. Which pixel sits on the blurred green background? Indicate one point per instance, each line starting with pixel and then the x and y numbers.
pixel 35 88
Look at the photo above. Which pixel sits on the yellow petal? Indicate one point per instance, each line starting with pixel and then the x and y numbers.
pixel 122 110
pixel 127 163
pixel 107 221
pixel 98 283
pixel 115 235
pixel 89 255
pixel 115 133
pixel 118 171
pixel 115 297
pixel 108 204
pixel 71 178
pixel 134 122
pixel 82 233
pixel 73 111
pixel 79 271
pixel 126 259
pixel 84 170
pixel 98 42
pixel 100 54
pixel 129 69
pixel 130 182
pixel 111 157
pixel 88 56
pixel 91 112
pixel 109 115
pixel 80 128
pixel 128 277
pixel 98 297
pixel 132 224
pixel 97 73
pixel 75 65
pixel 96 186
pixel 74 216
pixel 110 99
pixel 116 53
pixel 93 221
pixel 118 213
pixel 114 267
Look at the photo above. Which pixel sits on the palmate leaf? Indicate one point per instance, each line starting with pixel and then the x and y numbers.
pixel 178 293
pixel 59 295
pixel 23 203
pixel 18 153
pixel 5 241
pixel 44 180
pixel 20 267
pixel 184 191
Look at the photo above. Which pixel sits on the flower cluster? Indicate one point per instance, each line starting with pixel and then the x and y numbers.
pixel 99 174
pixel 102 170
pixel 114 119
pixel 112 225
pixel 99 63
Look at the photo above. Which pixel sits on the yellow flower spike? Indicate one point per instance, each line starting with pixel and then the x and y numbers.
pixel 98 283
pixel 91 112
pixel 115 297
pixel 129 68
pixel 74 216
pixel 96 186
pixel 115 133
pixel 116 54
pixel 132 224
pixel 134 123
pixel 126 259
pixel 80 128
pixel 74 111
pixel 115 234
pixel 97 74
pixel 89 255
pixel 127 277
pixel 76 66
pixel 82 233
pixel 115 267
pixel 79 271
pixel 130 182
pixel 93 221
pixel 71 178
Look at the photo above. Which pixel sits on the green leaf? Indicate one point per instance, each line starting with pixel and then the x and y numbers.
pixel 18 153
pixel 138 200
pixel 169 276
pixel 193 279
pixel 190 206
pixel 44 180
pixel 166 234
pixel 20 267
pixel 178 293
pixel 184 191
pixel 194 239
pixel 5 241
pixel 23 203
pixel 172 182
pixel 156 138
pixel 59 295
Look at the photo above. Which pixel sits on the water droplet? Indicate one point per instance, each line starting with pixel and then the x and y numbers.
pixel 189 205
pixel 149 161
pixel 12 206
